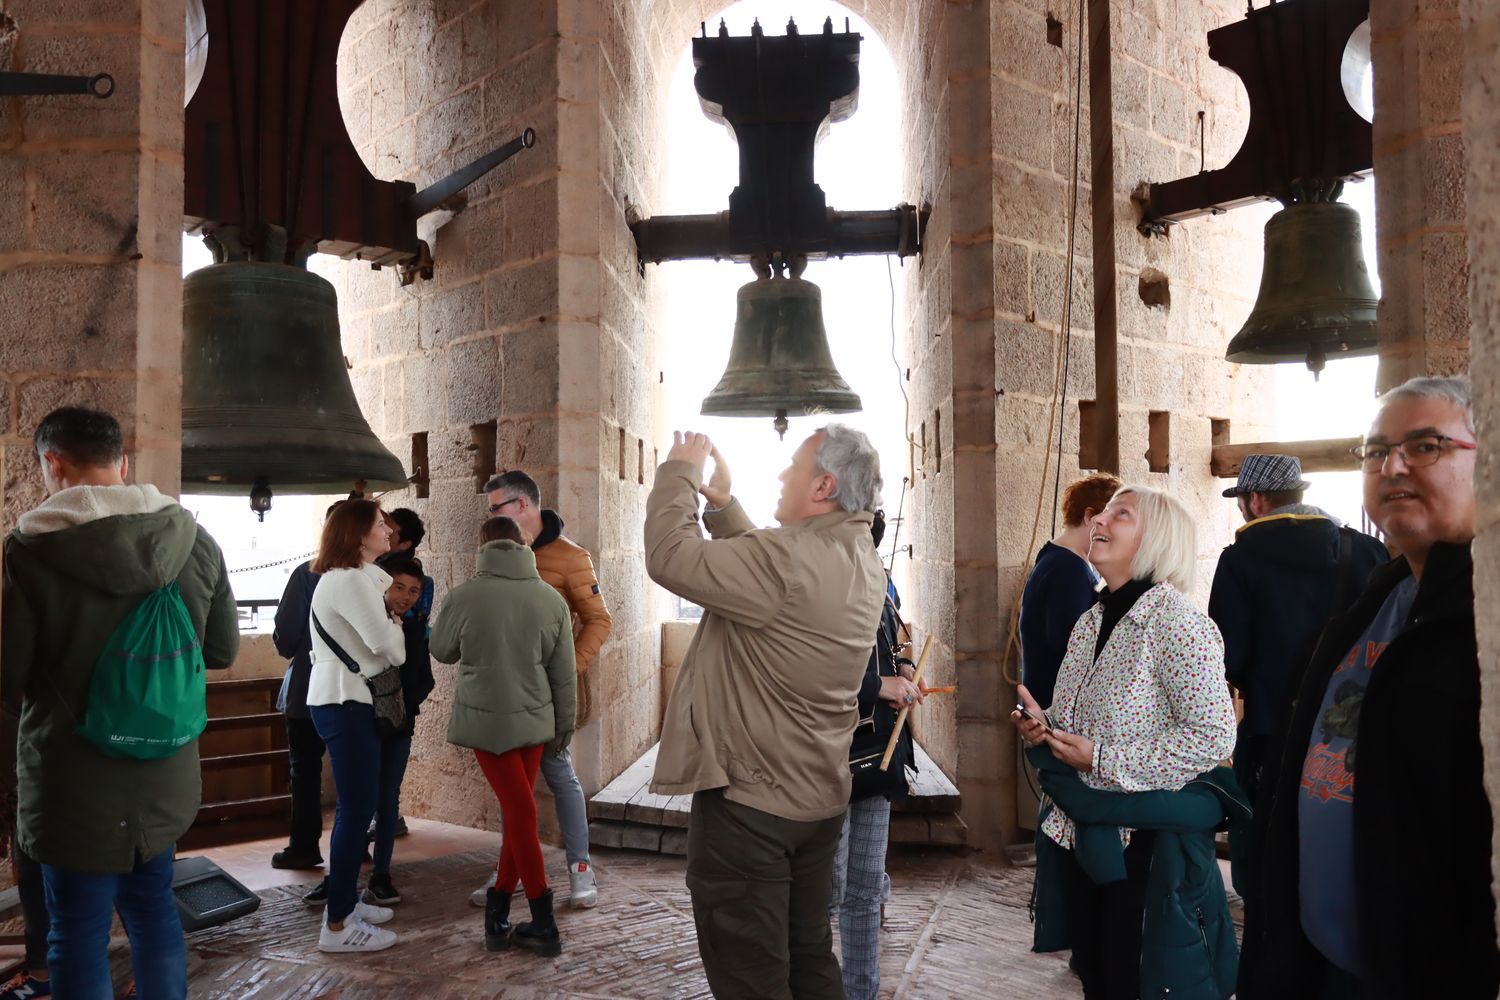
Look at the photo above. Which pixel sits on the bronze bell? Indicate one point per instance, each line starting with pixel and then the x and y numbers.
pixel 1315 297
pixel 266 397
pixel 779 362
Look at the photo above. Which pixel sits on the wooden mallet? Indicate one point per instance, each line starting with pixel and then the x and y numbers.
pixel 890 748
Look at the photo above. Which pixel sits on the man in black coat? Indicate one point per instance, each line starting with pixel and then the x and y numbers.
pixel 1380 889
pixel 1291 567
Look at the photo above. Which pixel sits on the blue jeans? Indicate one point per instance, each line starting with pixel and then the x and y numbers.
pixel 393 756
pixel 82 907
pixel 567 796
pixel 348 730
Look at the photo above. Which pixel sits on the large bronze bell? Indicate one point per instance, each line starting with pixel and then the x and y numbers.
pixel 266 398
pixel 1315 298
pixel 779 362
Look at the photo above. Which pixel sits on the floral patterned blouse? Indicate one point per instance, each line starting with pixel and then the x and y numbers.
pixel 1155 702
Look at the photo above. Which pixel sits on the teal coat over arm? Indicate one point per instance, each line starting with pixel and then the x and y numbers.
pixel 512 638
pixel 1188 949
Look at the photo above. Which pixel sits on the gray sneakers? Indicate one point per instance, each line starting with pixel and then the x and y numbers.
pixel 584 888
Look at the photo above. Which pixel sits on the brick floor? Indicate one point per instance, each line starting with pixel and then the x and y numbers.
pixel 955 928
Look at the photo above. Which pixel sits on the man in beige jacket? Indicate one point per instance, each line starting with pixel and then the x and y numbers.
pixel 759 723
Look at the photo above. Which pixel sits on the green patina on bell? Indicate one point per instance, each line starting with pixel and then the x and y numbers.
pixel 779 362
pixel 266 397
pixel 1316 301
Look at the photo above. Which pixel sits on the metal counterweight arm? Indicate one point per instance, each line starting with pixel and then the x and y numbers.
pixel 429 198
pixel 100 85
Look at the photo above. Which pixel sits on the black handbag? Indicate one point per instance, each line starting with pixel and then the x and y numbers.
pixel 385 689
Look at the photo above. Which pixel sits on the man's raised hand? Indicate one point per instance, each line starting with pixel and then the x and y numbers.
pixel 690 447
pixel 716 489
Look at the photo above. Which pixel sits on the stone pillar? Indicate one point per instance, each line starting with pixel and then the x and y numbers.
pixel 1416 46
pixel 1480 27
pixel 91 233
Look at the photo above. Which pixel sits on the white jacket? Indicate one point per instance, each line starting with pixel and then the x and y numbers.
pixel 350 605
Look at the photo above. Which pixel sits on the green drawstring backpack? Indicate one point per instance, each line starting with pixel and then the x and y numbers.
pixel 148 695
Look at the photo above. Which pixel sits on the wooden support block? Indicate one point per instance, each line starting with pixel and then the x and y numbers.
pixel 606 833
pixel 674 842
pixel 1328 455
pixel 640 838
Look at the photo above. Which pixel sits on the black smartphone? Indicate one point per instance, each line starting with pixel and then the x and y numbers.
pixel 1039 721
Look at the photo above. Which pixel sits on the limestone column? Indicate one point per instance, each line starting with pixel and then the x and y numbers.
pixel 1481 120
pixel 1416 47
pixel 91 233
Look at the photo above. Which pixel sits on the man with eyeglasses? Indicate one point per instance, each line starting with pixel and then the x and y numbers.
pixel 567 566
pixel 1372 861
pixel 1291 567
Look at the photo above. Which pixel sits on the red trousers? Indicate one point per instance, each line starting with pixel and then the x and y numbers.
pixel 512 775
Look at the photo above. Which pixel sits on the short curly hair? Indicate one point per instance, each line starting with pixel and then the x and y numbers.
pixel 1092 493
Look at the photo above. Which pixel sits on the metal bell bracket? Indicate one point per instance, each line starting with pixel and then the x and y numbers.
pixel 100 85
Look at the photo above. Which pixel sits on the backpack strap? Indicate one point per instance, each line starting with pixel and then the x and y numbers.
pixel 328 639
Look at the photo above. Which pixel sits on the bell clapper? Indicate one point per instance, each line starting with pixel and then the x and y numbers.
pixel 1316 361
pixel 780 423
pixel 260 498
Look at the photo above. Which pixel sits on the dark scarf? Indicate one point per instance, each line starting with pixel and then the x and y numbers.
pixel 1114 604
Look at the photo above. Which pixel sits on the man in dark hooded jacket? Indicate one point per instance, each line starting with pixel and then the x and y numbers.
pixel 102 827
pixel 1291 567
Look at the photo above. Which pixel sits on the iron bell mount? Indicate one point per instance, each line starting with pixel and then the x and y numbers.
pixel 778 95
pixel 1304 140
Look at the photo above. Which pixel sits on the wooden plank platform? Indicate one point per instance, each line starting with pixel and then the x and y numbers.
pixel 626 813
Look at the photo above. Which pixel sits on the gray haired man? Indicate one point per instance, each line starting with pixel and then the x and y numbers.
pixel 758 725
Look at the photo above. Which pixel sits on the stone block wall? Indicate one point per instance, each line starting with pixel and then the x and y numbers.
pixel 90 217
pixel 1417 47
pixel 514 355
pixel 986 316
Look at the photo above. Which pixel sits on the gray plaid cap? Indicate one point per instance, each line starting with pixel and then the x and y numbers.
pixel 1268 474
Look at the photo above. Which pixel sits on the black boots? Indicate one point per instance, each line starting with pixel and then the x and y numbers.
pixel 497 929
pixel 540 933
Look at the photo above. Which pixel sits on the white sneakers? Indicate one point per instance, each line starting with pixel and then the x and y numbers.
pixel 358 934
pixel 584 888
pixel 372 914
pixel 477 897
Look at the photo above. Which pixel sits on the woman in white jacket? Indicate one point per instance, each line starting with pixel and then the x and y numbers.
pixel 1140 705
pixel 349 606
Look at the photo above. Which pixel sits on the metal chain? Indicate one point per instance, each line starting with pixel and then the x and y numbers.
pixel 279 562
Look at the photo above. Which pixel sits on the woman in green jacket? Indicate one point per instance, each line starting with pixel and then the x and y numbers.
pixel 512 637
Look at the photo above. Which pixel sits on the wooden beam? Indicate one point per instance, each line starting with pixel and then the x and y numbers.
pixel 1102 205
pixel 1327 455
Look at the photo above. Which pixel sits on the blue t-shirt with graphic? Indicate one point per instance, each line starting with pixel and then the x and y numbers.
pixel 1325 803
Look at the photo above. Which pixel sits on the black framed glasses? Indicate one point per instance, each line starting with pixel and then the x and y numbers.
pixel 1417 451
pixel 496 508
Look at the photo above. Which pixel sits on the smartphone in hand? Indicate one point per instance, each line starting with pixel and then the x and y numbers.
pixel 1041 721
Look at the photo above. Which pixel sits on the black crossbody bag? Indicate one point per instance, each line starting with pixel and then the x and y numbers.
pixel 873 734
pixel 385 688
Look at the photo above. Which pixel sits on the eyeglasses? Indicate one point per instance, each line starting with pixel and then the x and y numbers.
pixel 496 508
pixel 1417 451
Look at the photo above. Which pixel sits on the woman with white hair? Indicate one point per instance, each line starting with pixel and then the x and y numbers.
pixel 1140 705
